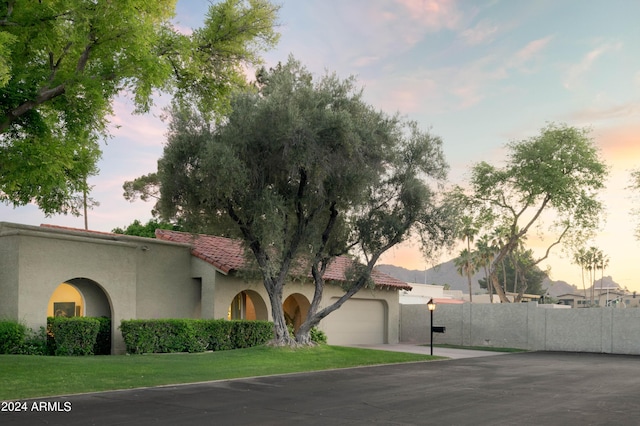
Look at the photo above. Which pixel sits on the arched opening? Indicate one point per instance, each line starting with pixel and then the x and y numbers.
pixel 66 301
pixel 248 305
pixel 295 307
pixel 83 297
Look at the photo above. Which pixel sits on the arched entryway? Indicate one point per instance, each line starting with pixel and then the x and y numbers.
pixel 81 297
pixel 248 305
pixel 295 307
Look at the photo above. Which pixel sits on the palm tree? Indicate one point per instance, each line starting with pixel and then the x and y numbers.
pixel 580 259
pixel 603 262
pixel 498 240
pixel 593 260
pixel 466 265
pixel 467 233
pixel 485 253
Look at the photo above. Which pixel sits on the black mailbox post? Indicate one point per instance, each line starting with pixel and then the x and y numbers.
pixel 432 307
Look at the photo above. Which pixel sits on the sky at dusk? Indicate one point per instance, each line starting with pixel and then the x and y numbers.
pixel 479 74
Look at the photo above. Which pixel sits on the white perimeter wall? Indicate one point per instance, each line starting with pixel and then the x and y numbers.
pixel 526 326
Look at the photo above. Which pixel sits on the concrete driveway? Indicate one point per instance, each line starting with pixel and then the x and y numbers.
pixel 537 388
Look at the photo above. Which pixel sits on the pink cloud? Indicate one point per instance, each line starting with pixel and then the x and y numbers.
pixel 434 15
pixel 577 71
pixel 483 32
pixel 530 51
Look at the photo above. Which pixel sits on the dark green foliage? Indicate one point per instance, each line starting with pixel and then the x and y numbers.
pixel 147 230
pixel 35 343
pixel 529 275
pixel 189 335
pixel 103 340
pixel 18 339
pixel 12 335
pixel 75 336
pixel 303 170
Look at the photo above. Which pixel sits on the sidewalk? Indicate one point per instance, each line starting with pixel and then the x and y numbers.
pixel 419 349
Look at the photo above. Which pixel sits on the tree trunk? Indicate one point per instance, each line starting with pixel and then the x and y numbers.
pixel 281 335
pixel 497 287
pixel 470 292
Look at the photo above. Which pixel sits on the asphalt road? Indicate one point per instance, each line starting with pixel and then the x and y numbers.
pixel 539 388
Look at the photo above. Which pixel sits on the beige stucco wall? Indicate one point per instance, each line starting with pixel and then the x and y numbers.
pixel 133 277
pixel 227 287
pixel 132 273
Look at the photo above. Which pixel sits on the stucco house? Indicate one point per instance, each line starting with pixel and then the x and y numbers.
pixel 49 270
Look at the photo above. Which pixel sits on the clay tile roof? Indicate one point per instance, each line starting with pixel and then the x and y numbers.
pixel 227 255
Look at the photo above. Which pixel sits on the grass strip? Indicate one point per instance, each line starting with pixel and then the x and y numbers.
pixel 24 376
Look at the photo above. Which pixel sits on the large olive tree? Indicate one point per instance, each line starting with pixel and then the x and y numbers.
pixel 302 171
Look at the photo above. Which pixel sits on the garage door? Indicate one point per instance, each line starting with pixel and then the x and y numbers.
pixel 357 322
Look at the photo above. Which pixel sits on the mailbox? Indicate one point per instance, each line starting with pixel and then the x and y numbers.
pixel 438 329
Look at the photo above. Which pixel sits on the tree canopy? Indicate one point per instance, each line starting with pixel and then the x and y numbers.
pixel 147 230
pixel 62 63
pixel 303 170
pixel 521 274
pixel 549 182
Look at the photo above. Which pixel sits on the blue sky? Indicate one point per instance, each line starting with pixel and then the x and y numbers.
pixel 477 73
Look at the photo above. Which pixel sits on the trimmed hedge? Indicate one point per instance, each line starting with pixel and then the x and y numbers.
pixel 101 344
pixel 12 336
pixel 75 335
pixel 193 335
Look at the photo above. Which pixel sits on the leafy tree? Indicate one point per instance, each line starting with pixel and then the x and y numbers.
pixel 550 180
pixel 62 63
pixel 524 275
pixel 148 229
pixel 304 171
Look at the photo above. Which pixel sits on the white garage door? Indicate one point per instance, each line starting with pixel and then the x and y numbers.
pixel 357 322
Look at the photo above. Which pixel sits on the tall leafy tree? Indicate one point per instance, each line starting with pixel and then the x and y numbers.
pixel 62 63
pixel 550 181
pixel 524 276
pixel 303 171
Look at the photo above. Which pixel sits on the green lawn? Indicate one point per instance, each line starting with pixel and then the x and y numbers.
pixel 24 376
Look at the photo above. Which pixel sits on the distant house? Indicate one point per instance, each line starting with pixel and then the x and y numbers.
pixel 607 297
pixel 48 270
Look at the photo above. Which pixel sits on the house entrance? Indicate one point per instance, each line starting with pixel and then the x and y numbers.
pixel 248 305
pixel 80 297
pixel 296 307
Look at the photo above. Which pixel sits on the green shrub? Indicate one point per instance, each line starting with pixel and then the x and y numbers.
pixel 75 336
pixel 191 335
pixel 12 335
pixel 318 336
pixel 35 343
pixel 103 340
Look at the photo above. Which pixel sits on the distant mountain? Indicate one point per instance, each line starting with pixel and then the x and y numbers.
pixel 442 274
pixel 446 273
